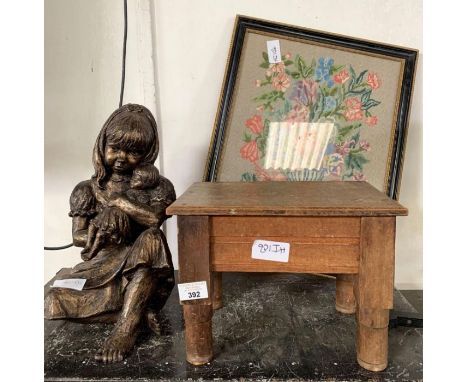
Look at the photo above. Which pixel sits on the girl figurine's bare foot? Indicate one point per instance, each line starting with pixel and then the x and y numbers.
pixel 117 346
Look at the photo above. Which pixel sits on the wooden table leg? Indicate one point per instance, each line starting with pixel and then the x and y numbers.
pixel 345 302
pixel 198 334
pixel 374 291
pixel 217 290
pixel 194 265
pixel 372 338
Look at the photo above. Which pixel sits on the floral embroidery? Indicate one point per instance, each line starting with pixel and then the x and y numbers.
pixel 255 124
pixel 359 176
pixel 295 90
pixel 278 68
pixel 373 80
pixel 299 113
pixel 305 92
pixel 281 82
pixel 322 73
pixel 364 145
pixel 341 77
pixel 250 151
pixel 371 121
pixel 353 109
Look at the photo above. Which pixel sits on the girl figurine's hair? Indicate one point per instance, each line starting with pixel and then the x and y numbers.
pixel 131 126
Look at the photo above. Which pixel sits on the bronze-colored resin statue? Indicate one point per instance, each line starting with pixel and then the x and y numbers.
pixel 117 216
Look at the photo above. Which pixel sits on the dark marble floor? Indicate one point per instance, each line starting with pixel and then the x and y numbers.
pixel 272 327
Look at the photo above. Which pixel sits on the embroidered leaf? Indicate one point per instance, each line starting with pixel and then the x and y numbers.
pixel 356 91
pixel 356 138
pixel 301 65
pixel 248 177
pixel 295 75
pixel 353 73
pixel 365 96
pixel 361 76
pixel 308 72
pixel 350 85
pixel 246 137
pixel 313 63
pixel 265 56
pixel 344 131
pixel 265 65
pixel 288 62
pixel 262 97
pixel 347 161
pixel 370 103
pixel 287 107
pixel 335 68
pixel 357 160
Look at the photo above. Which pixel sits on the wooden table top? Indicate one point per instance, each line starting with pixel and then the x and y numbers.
pixel 286 199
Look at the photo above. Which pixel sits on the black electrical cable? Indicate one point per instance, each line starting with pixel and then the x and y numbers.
pixel 124 54
pixel 57 248
pixel 122 87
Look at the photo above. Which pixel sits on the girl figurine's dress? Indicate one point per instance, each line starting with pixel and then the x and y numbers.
pixel 105 274
pixel 128 267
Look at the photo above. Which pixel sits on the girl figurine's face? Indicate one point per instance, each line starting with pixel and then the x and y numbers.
pixel 121 159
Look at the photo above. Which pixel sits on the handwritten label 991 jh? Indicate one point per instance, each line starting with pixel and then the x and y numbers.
pixel 274 51
pixel 270 250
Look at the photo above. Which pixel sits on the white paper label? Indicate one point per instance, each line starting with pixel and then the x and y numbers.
pixel 192 291
pixel 76 284
pixel 274 51
pixel 270 250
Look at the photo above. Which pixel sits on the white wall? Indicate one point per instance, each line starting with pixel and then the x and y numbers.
pixel 192 42
pixel 83 57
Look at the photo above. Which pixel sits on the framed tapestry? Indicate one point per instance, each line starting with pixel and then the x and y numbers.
pixel 304 105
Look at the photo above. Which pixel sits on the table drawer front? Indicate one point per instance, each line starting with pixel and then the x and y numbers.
pixel 290 226
pixel 316 255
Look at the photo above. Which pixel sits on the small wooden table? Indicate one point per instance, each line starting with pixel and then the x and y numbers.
pixel 343 228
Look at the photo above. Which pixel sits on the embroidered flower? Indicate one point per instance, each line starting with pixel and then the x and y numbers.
pixel 305 92
pixel 250 151
pixel 346 147
pixel 269 175
pixel 341 77
pixel 281 82
pixel 330 103
pixel 277 68
pixel 335 164
pixel 371 121
pixel 359 176
pixel 299 113
pixel 255 124
pixel 353 109
pixel 373 80
pixel 364 145
pixel 278 176
pixel 322 72
pixel 261 174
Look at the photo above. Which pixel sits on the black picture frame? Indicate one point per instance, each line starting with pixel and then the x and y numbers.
pixel 244 24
